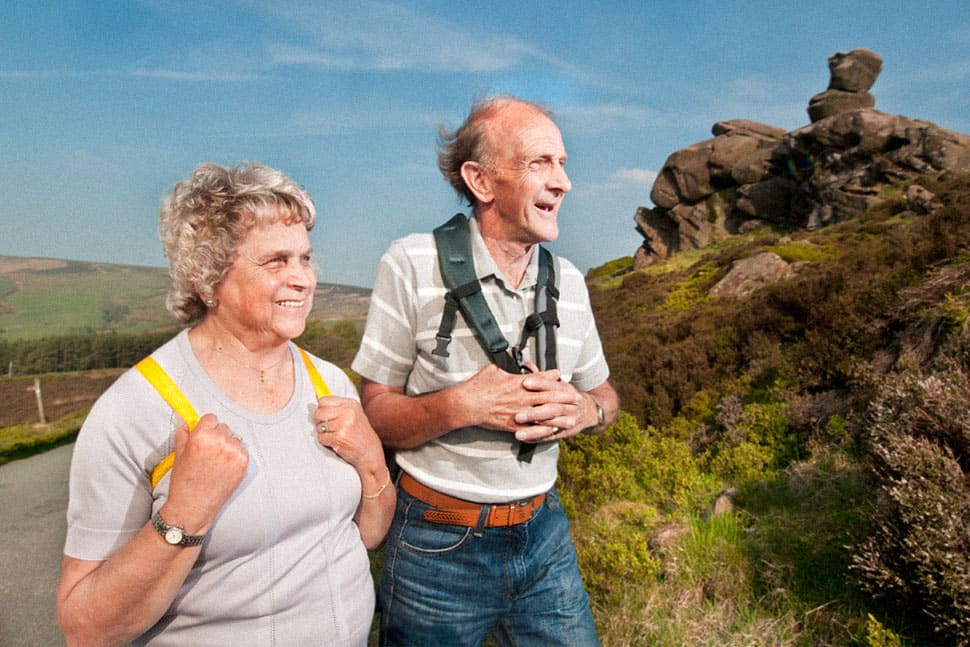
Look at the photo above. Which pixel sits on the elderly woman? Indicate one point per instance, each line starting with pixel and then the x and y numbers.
pixel 258 533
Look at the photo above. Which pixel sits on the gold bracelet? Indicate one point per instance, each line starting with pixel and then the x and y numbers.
pixel 381 491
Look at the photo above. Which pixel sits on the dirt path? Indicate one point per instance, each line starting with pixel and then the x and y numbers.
pixel 33 501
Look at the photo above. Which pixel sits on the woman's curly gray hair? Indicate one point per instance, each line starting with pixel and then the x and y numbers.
pixel 469 142
pixel 205 218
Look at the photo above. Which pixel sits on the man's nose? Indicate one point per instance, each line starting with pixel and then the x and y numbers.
pixel 560 179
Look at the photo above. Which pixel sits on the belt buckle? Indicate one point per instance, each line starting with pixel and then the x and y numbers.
pixel 516 508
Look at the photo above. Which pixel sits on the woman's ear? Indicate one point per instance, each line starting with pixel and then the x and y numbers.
pixel 478 181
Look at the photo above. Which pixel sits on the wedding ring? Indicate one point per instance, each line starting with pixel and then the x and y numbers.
pixel 323 428
pixel 555 432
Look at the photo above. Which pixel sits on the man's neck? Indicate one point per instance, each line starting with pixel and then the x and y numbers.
pixel 511 257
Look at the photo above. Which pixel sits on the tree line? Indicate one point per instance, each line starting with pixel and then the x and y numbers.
pixel 77 352
pixel 334 341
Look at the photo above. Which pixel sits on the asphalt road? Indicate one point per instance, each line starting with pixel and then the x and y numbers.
pixel 33 501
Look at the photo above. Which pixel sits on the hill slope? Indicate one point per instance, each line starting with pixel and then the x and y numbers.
pixel 42 297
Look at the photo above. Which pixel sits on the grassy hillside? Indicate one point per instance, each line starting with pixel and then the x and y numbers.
pixel 831 407
pixel 50 297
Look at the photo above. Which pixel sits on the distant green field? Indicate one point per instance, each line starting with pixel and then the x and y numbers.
pixel 72 297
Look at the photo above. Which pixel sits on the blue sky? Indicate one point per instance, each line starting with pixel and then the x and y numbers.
pixel 105 104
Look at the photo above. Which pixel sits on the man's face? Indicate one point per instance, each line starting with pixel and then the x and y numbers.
pixel 528 179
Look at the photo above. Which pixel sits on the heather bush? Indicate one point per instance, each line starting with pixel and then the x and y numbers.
pixel 918 554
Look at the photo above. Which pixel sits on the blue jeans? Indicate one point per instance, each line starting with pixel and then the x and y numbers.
pixel 450 585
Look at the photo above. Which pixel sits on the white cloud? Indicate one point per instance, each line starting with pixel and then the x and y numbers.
pixel 141 72
pixel 951 72
pixel 381 36
pixel 180 75
pixel 635 176
pixel 611 114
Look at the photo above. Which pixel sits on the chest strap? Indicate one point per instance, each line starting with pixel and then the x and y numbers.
pixel 172 394
pixel 457 264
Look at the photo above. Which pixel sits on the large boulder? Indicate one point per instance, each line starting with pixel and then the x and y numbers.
pixel 701 170
pixel 749 274
pixel 832 102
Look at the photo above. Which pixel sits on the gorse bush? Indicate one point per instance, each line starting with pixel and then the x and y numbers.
pixel 630 464
pixel 621 483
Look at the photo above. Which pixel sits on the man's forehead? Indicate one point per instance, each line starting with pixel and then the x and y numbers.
pixel 529 131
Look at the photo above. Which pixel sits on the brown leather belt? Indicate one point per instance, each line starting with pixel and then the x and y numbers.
pixel 458 512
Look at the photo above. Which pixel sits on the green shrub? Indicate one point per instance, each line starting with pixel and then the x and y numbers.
pixel 751 440
pixel 627 463
pixel 616 487
pixel 879 636
pixel 612 549
pixel 21 441
pixel 691 291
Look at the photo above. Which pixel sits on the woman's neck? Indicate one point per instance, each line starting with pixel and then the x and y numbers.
pixel 260 379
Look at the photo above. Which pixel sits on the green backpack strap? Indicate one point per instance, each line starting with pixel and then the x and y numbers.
pixel 457 266
pixel 542 323
pixel 173 395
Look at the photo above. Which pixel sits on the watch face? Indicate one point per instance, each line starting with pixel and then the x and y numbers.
pixel 173 535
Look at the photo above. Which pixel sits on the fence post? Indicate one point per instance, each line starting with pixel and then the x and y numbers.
pixel 40 401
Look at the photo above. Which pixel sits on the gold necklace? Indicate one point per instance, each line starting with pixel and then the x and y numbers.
pixel 260 371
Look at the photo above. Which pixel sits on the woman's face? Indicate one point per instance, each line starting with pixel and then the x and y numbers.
pixel 267 294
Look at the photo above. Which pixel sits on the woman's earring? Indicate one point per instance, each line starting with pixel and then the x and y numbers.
pixel 209 302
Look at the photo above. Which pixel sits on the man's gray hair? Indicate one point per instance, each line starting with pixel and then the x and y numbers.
pixel 469 142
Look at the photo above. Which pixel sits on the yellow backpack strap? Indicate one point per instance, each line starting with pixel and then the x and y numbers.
pixel 173 395
pixel 319 386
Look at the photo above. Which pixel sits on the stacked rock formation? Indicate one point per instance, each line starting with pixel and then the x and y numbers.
pixel 750 174
pixel 851 77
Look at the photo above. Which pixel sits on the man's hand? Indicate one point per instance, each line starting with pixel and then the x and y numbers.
pixel 557 410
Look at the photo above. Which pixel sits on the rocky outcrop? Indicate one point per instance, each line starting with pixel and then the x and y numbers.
pixel 833 169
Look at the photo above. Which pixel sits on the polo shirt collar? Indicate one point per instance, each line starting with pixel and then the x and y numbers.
pixel 485 265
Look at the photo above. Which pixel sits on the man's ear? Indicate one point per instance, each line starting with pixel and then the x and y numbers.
pixel 478 181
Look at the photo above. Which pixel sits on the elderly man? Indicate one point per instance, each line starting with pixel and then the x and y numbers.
pixel 479 542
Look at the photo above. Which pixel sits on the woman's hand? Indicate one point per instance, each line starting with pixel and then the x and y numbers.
pixel 342 426
pixel 209 464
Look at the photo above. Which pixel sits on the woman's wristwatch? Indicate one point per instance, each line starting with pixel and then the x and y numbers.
pixel 174 535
